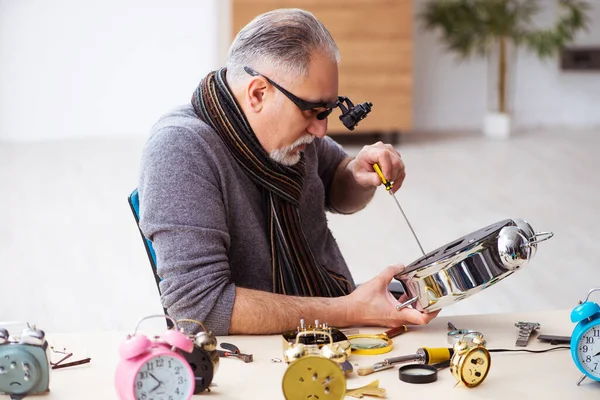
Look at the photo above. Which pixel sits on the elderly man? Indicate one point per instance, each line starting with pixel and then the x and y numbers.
pixel 235 186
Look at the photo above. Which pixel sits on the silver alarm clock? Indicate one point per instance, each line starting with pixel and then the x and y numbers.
pixel 24 363
pixel 468 265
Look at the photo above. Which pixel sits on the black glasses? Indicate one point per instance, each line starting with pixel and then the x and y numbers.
pixel 301 104
pixel 66 355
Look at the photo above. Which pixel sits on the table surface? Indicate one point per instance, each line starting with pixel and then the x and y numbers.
pixel 545 375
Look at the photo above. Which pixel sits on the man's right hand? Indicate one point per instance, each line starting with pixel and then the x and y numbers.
pixel 372 304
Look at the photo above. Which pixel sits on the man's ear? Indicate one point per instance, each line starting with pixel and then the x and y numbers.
pixel 255 95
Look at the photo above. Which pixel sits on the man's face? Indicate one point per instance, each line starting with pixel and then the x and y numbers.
pixel 284 129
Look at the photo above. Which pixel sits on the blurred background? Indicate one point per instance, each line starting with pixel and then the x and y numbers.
pixel 511 131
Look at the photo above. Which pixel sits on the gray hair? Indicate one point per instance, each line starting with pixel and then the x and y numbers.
pixel 284 39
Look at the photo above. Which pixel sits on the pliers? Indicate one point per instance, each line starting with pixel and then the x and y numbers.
pixel 232 350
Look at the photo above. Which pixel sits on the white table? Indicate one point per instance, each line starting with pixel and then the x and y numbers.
pixel 512 375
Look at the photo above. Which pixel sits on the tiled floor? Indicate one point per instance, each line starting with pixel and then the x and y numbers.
pixel 72 258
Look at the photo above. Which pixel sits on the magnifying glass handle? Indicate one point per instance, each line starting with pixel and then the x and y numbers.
pixel 391 333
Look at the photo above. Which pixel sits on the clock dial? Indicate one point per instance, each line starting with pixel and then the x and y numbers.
pixel 475 367
pixel 19 372
pixel 588 351
pixel 163 378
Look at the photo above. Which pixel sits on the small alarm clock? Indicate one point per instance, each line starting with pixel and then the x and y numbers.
pixel 155 368
pixel 24 363
pixel 204 359
pixel 471 361
pixel 585 340
pixel 316 373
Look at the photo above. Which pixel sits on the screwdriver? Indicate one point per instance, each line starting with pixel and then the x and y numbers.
pixel 388 186
pixel 424 355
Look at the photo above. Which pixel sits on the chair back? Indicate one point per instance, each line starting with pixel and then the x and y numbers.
pixel 134 204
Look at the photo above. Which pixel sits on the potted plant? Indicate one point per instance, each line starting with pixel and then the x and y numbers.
pixel 495 28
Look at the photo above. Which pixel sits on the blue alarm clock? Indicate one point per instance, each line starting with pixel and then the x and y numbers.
pixel 585 340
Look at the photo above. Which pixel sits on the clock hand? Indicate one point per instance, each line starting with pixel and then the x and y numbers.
pixel 157 386
pixel 597 354
pixel 153 377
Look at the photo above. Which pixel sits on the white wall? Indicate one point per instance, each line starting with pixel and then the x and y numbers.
pixel 452 95
pixel 71 68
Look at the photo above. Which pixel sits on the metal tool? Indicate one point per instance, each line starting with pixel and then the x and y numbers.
pixel 232 350
pixel 555 340
pixel 424 355
pixel 388 186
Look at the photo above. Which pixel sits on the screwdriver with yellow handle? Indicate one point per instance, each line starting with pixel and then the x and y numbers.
pixel 388 186
pixel 424 355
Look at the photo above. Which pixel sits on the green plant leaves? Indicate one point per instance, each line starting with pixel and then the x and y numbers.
pixel 472 27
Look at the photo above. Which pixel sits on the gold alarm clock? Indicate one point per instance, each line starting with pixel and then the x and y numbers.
pixel 312 374
pixel 315 341
pixel 470 362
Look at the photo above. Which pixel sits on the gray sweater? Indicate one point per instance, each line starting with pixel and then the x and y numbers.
pixel 206 218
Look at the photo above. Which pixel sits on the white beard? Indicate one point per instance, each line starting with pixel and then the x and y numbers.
pixel 286 155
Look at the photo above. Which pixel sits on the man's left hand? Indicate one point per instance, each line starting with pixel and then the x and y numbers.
pixel 388 159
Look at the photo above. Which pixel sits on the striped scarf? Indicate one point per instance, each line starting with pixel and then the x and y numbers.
pixel 295 270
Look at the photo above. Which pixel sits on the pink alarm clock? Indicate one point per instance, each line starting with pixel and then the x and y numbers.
pixel 155 368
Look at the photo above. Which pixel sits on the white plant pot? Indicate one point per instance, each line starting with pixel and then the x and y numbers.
pixel 497 125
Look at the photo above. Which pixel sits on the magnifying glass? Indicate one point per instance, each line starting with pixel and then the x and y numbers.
pixel 421 373
pixel 365 344
pixel 373 344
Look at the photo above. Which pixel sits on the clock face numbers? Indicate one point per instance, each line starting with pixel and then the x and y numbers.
pixel 588 351
pixel 163 378
pixel 475 367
